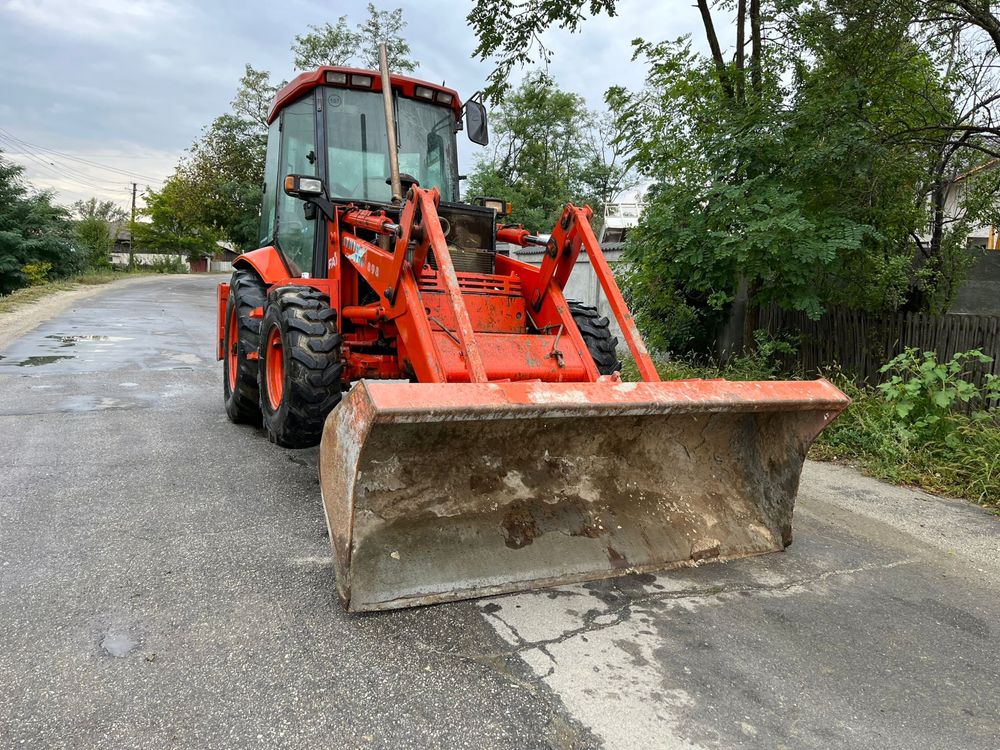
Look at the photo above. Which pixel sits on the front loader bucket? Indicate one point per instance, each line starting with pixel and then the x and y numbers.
pixel 435 492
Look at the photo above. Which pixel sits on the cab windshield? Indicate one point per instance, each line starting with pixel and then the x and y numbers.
pixel 358 160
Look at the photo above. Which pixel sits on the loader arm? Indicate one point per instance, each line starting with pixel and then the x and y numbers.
pixel 505 460
pixel 467 483
pixel 571 233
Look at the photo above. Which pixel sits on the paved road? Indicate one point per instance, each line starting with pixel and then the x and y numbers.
pixel 165 582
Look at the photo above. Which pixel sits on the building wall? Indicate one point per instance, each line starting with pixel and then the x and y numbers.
pixel 120 260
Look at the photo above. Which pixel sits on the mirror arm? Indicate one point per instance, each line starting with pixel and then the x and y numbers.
pixel 322 203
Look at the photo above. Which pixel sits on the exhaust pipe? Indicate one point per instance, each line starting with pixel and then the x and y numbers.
pixel 390 124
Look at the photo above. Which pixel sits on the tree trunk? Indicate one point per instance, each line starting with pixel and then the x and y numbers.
pixel 741 22
pixel 756 47
pixel 713 43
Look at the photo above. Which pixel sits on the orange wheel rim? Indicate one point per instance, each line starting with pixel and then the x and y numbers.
pixel 232 356
pixel 275 368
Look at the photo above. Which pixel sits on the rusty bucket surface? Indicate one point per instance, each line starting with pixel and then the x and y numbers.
pixel 436 492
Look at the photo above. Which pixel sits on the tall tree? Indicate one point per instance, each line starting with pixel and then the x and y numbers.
pixel 340 45
pixel 325 45
pixel 33 230
pixel 537 152
pixel 385 26
pixel 797 163
pixel 174 225
pixel 224 169
pixel 96 228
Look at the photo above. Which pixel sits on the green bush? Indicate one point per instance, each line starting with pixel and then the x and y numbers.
pixel 759 363
pixel 166 264
pixel 909 430
pixel 36 273
pixel 925 394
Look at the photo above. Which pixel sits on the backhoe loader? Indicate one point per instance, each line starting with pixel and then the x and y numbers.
pixel 475 434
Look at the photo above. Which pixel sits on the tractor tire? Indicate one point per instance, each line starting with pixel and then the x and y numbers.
pixel 300 365
pixel 596 332
pixel 241 340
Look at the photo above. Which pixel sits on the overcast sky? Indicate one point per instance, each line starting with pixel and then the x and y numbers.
pixel 129 84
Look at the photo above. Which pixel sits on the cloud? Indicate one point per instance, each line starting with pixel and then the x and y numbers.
pixel 131 84
pixel 104 20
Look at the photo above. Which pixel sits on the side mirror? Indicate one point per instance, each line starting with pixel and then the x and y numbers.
pixel 475 114
pixel 311 190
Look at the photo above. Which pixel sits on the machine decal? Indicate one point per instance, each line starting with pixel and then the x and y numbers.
pixel 357 249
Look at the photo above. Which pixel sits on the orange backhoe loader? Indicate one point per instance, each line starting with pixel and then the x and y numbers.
pixel 475 436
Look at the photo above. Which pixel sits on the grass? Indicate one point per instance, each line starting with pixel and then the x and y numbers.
pixel 867 435
pixel 27 295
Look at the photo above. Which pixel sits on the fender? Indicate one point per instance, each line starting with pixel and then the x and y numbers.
pixel 267 262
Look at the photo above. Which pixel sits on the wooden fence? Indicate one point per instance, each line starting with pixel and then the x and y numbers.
pixel 861 343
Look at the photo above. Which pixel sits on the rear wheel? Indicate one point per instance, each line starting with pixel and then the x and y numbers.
pixel 242 339
pixel 300 365
pixel 596 332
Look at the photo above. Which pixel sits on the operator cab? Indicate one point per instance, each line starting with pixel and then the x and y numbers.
pixel 330 123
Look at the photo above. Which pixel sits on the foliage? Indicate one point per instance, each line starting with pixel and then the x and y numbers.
pixel 37 273
pixel 339 45
pixel 33 230
pixel 166 264
pixel 762 362
pixel 175 225
pixel 868 433
pixel 511 32
pixel 548 149
pixel 96 228
pixel 925 394
pixel 793 191
pixel 536 144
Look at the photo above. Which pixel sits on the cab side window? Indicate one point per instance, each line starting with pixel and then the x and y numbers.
pixel 269 203
pixel 295 234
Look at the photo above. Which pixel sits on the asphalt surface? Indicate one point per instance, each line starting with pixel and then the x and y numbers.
pixel 165 581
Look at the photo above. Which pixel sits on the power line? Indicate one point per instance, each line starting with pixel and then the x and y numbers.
pixel 63 171
pixel 52 172
pixel 115 170
pixel 125 172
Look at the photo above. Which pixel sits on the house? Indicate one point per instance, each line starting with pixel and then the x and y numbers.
pixel 980 292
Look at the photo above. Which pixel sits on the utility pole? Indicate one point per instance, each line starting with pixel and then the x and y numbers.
pixel 131 234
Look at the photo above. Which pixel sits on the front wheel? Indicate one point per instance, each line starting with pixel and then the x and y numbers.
pixel 299 365
pixel 596 332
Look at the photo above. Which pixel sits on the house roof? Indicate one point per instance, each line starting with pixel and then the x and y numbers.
pixel 988 164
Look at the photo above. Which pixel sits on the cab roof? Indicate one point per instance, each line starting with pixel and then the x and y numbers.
pixel 303 83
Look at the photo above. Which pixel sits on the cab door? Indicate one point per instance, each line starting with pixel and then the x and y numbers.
pixel 295 235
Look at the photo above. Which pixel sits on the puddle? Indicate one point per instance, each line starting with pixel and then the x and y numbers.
pixel 118 644
pixel 47 359
pixel 73 340
pixel 85 403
